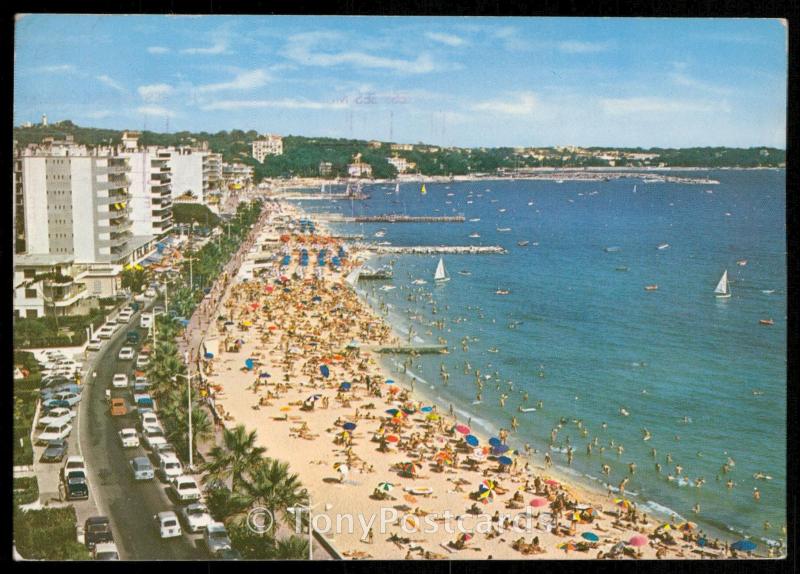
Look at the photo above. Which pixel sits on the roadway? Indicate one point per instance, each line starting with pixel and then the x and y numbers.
pixel 130 505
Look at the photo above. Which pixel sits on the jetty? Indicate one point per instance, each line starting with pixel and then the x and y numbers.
pixel 412 349
pixel 319 196
pixel 437 249
pixel 391 218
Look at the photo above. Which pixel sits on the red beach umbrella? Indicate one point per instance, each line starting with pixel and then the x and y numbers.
pixel 392 438
pixel 552 482
pixel 463 429
pixel 538 502
pixel 638 540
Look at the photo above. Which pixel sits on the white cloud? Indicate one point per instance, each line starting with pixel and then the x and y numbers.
pixel 577 47
pixel 111 83
pixel 449 39
pixel 56 69
pixel 300 49
pixel 158 50
pixel 155 111
pixel 154 92
pixel 648 105
pixel 285 103
pixel 524 104
pixel 679 78
pixel 242 81
pixel 98 114
pixel 219 47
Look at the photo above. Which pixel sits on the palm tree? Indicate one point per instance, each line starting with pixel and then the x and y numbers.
pixel 201 428
pixel 224 504
pixel 291 548
pixel 236 458
pixel 271 485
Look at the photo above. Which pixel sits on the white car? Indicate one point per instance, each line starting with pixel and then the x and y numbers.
pixel 146 320
pixel 153 436
pixel 196 517
pixel 129 438
pixel 167 523
pixel 54 432
pixel 112 323
pixel 150 293
pixel 217 538
pixel 169 467
pixel 141 468
pixel 124 317
pixel 56 416
pixel 185 488
pixel 142 360
pixel 71 399
pixel 74 462
pixel 125 354
pixel 106 551
pixel 149 419
pixel 120 381
pixel 105 332
pixel 94 345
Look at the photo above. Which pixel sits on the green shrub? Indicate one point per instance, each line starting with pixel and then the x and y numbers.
pixel 26 490
pixel 48 534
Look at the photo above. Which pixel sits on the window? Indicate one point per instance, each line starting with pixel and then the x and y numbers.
pixel 29 273
pixel 30 293
pixel 31 313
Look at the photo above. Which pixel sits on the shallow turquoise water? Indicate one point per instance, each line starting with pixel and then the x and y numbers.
pixel 603 342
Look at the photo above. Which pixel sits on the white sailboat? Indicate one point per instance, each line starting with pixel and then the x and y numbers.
pixel 723 291
pixel 397 188
pixel 441 275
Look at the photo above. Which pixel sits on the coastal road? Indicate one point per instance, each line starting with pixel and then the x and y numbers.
pixel 129 505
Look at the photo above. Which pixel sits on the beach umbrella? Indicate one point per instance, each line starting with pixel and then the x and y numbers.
pixel 392 438
pixel 570 545
pixel 349 426
pixel 249 364
pixel 208 355
pixel 393 412
pixel 286 408
pixel 638 540
pixel 324 370
pixel 504 460
pixel 255 306
pixel 425 409
pixel 590 536
pixel 500 449
pixel 494 441
pixel 744 545
pixel 471 440
pixel 463 429
pixel 432 417
pixel 389 382
pixel 273 328
pixel 687 526
pixel 341 467
pixel 408 468
pixel 394 390
pixel 313 398
pixel 316 298
pixel 385 486
pixel 409 410
pixel 264 376
pixel 344 387
pixel 539 502
pixel 622 502
pixel 552 482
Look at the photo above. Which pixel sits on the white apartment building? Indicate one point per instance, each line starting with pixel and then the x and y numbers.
pixel 48 285
pixel 150 187
pixel 402 147
pixel 401 164
pixel 196 175
pixel 359 168
pixel 270 144
pixel 237 173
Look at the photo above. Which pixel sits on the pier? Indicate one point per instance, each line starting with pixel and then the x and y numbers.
pixel 412 349
pixel 391 218
pixel 437 249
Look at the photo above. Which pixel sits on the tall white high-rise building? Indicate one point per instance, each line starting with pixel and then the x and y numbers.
pixel 196 174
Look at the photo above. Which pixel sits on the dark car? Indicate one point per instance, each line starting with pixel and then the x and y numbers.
pixel 76 486
pixel 96 530
pixel 55 452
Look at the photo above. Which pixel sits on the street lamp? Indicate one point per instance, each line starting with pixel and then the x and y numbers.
pixel 188 378
pixel 309 508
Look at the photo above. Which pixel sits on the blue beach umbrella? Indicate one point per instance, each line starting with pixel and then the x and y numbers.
pixel 744 545
pixel 472 440
pixel 349 426
pixel 325 371
pixel 426 409
pixel 264 376
pixel 590 536
pixel 504 460
pixel 344 387
pixel 500 449
pixel 208 355
pixel 184 322
pixel 494 441
pixel 249 364
pixel 389 382
pixel 393 412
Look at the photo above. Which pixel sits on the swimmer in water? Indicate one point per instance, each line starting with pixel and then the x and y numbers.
pixel 730 483
pixel 658 468
pixel 696 508
pixel 678 469
pixel 605 469
pixel 756 494
pixel 604 425
pixel 632 468
pixel 646 434
pixel 653 452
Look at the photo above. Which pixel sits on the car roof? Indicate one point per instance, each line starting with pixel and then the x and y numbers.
pixel 128 429
pixel 105 547
pixel 218 526
pixel 74 458
pixel 168 456
pixel 57 443
pixel 166 515
pixel 97 519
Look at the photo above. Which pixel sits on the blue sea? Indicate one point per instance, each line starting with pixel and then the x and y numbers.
pixel 579 332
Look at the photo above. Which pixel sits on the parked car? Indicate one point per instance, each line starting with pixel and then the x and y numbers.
pixel 152 436
pixel 97 530
pixel 146 320
pixel 56 417
pixel 150 293
pixel 195 517
pixel 144 402
pixel 148 419
pixel 56 451
pixel 167 524
pixel 216 538
pixel 120 381
pixel 158 310
pixel 75 485
pixel 124 316
pixel 55 404
pixel 94 345
pixel 74 462
pixel 106 551
pixel 54 432
pixel 125 354
pixel 129 438
pixel 169 467
pixel 118 407
pixel 133 338
pixel 142 360
pixel 105 332
pixel 185 489
pixel 163 448
pixel 141 468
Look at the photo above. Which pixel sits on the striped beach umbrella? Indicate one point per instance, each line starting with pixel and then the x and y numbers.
pixel 385 486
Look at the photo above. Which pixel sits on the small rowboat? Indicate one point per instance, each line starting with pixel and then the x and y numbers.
pixel 651 287
pixel 766 322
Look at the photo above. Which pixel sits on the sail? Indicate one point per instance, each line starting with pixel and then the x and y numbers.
pixel 397 188
pixel 423 191
pixel 722 286
pixel 440 271
pixel 352 278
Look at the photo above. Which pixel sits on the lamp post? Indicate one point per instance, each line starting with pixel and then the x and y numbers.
pixel 309 508
pixel 188 377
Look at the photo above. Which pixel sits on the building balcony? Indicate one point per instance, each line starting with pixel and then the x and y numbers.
pixel 111 169
pixel 64 297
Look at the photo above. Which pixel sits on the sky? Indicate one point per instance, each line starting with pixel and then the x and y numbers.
pixel 453 81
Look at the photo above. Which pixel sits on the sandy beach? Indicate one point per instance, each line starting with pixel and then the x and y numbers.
pixel 293 359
